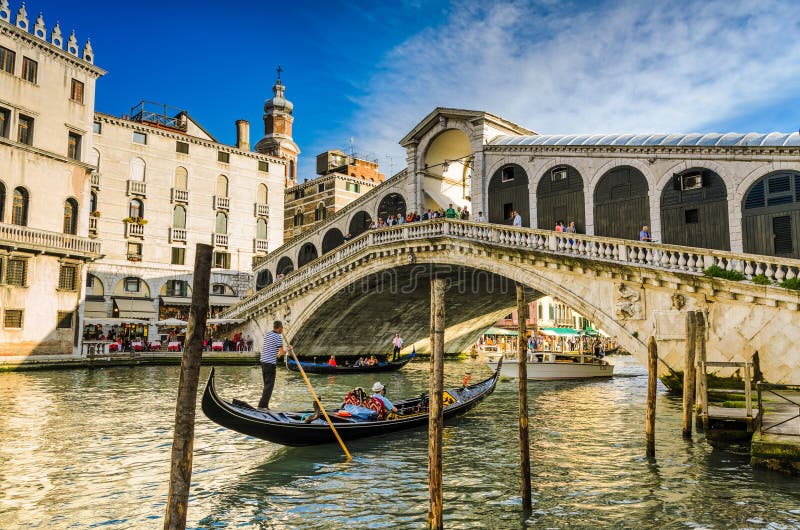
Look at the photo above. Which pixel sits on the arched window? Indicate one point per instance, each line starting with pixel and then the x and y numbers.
pixel 94 158
pixel 320 213
pixel 222 223
pixel 179 217
pixel 222 186
pixel 261 229
pixel 2 202
pixel 181 178
pixel 298 217
pixel 70 216
pixel 136 209
pixel 262 194
pixel 92 203
pixel 19 208
pixel 137 169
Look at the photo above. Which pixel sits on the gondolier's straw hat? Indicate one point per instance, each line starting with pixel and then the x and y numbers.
pixel 377 387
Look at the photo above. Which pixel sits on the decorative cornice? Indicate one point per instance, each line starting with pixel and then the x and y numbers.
pixel 49 154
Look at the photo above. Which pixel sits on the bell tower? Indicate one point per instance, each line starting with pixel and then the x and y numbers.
pixel 277 140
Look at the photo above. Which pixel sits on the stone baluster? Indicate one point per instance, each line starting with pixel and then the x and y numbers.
pixel 779 274
pixel 770 272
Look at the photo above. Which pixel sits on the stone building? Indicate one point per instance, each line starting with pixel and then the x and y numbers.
pixel 341 180
pixel 47 90
pixel 163 184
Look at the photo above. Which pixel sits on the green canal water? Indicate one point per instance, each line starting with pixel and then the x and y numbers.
pixel 90 449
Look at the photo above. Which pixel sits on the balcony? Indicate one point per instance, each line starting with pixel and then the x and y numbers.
pixel 221 203
pixel 180 195
pixel 134 229
pixel 177 234
pixel 262 210
pixel 137 187
pixel 22 237
pixel 260 245
pixel 220 240
pixel 92 227
pixel 95 180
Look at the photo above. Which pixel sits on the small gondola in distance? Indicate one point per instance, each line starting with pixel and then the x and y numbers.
pixel 289 428
pixel 324 368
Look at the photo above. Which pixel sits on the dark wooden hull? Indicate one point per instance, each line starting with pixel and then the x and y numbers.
pixel 383 366
pixel 287 428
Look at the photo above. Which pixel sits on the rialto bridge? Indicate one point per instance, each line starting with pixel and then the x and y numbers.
pixel 355 298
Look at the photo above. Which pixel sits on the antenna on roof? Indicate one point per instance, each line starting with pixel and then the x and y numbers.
pixel 352 149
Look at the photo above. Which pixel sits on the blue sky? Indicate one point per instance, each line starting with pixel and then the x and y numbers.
pixel 371 70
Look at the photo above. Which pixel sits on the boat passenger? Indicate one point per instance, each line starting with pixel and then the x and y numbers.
pixel 373 361
pixel 377 393
pixel 332 361
pixel 359 362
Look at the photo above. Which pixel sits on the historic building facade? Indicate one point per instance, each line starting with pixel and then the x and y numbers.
pixel 162 185
pixel 341 180
pixel 47 89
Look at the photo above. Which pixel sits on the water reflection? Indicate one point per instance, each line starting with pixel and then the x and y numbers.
pixel 83 449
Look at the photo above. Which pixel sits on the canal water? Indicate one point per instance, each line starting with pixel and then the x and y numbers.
pixel 90 449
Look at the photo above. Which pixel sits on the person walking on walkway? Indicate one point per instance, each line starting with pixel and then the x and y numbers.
pixel 517 219
pixel 272 349
pixel 398 344
pixel 450 213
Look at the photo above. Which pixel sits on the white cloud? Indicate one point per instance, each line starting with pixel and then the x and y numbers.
pixel 628 67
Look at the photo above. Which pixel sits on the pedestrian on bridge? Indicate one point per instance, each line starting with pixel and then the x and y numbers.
pixel 517 218
pixel 450 213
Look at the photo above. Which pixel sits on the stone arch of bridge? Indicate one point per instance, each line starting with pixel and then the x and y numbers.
pixel 523 274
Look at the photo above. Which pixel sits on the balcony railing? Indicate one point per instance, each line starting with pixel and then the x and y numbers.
pixel 177 234
pixel 95 180
pixel 180 195
pixel 23 237
pixel 262 210
pixel 220 240
pixel 260 245
pixel 136 187
pixel 221 203
pixel 92 226
pixel 133 229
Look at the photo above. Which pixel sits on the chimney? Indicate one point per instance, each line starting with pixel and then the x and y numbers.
pixel 243 135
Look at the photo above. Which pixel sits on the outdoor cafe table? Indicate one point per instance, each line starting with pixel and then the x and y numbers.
pixel 216 345
pixel 174 346
pixel 154 345
pixel 137 345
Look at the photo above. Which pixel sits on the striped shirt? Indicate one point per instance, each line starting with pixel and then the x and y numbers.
pixel 269 352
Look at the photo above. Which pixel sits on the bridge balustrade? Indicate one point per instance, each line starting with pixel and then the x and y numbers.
pixel 598 248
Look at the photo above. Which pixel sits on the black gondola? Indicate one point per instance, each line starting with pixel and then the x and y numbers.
pixel 383 365
pixel 290 428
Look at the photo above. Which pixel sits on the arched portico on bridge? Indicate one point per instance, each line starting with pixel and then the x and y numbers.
pixel 621 203
pixel 332 239
pixel 771 215
pixel 359 223
pixel 694 210
pixel 559 197
pixel 447 164
pixel 508 192
pixel 308 252
pixel 285 265
pixel 392 205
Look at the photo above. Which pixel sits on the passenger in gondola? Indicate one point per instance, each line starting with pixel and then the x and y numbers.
pixel 373 361
pixel 378 391
pixel 332 361
pixel 359 362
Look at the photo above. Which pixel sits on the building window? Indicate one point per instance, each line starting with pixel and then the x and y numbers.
pixel 19 207
pixel 7 58
pixel 320 213
pixel 182 147
pixel 136 209
pixel 352 186
pixel 177 288
pixel 135 251
pixel 178 255
pixel 692 216
pixel 179 217
pixel 139 138
pixel 68 277
pixel 298 218
pixel 320 188
pixel 782 234
pixel 262 194
pixel 30 69
pixel 556 175
pixel 97 127
pixel 12 318
pixel 5 120
pixel 132 285
pixel 263 166
pixel 64 320
pixel 261 229
pixel 222 156
pixel 222 186
pixel 71 216
pixel 222 223
pixel 17 272
pixel 74 146
pixel 508 174
pixel 298 194
pixel 220 289
pixel 222 260
pixel 25 130
pixel 76 91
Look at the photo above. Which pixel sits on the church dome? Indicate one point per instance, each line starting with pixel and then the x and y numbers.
pixel 278 103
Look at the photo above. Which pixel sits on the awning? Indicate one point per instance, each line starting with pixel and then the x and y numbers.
pixel 222 300
pixel 94 309
pixel 115 321
pixel 135 308
pixel 560 332
pixel 176 300
pixel 500 331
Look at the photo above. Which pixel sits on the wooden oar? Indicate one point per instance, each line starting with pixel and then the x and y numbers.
pixel 314 395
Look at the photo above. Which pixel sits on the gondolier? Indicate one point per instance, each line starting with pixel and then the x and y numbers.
pixel 270 351
pixel 398 345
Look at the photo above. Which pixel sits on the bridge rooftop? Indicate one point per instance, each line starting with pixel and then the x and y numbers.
pixel 774 139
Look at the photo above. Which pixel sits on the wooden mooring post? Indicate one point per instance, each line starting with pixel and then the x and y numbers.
pixel 689 374
pixel 435 418
pixel 650 415
pixel 522 375
pixel 701 390
pixel 180 476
